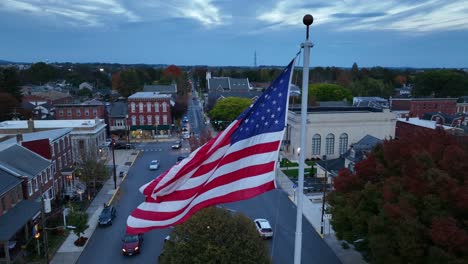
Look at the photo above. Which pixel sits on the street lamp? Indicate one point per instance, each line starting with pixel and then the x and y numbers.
pixel 113 162
pixel 324 190
pixel 127 129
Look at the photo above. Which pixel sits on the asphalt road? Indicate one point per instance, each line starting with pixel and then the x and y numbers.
pixel 105 244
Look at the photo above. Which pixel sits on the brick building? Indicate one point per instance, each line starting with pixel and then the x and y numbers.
pixel 150 114
pixel 420 106
pixel 87 110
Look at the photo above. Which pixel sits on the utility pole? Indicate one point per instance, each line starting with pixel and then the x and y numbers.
pixel 113 161
pixel 324 192
pixel 43 222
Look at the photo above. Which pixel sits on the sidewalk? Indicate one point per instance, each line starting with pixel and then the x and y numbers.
pixel 312 211
pixel 69 253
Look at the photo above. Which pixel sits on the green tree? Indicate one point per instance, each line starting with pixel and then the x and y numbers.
pixel 228 109
pixel 40 73
pixel 329 92
pixel 371 87
pixel 441 83
pixel 214 235
pixel 92 172
pixel 10 83
pixel 127 82
pixel 406 202
pixel 355 72
pixel 79 220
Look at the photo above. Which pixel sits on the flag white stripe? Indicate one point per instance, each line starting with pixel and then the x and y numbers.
pixel 241 184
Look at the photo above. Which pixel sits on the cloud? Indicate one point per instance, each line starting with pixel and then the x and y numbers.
pixel 99 13
pixel 75 12
pixel 397 15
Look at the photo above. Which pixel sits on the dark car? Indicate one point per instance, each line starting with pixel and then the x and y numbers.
pixel 132 244
pixel 107 214
pixel 181 158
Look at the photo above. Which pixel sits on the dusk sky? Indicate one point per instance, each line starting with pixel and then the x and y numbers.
pixel 389 33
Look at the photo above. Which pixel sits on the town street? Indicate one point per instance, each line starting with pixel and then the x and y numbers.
pixel 105 244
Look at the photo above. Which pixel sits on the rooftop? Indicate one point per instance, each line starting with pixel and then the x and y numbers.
pixel 422 123
pixel 44 124
pixel 148 95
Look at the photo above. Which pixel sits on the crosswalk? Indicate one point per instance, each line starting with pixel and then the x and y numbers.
pixel 161 149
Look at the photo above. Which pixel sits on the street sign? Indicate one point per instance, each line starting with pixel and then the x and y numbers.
pixel 327 216
pixel 294 186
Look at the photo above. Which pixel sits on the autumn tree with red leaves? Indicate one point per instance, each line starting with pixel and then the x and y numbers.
pixel 407 202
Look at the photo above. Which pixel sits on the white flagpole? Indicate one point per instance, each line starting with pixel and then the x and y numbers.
pixel 307 20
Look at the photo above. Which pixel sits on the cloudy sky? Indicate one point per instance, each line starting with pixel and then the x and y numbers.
pixel 394 33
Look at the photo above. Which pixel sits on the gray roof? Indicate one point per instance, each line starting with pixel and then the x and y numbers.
pixel 17 217
pixel 23 161
pixel 333 103
pixel 7 181
pixel 160 88
pixel 50 134
pixel 218 84
pixel 333 166
pixel 462 100
pixel 119 109
pixel 146 95
pixel 366 144
pixel 239 84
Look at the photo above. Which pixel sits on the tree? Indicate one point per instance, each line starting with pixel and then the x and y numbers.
pixel 214 235
pixel 441 83
pixel 41 73
pixel 127 82
pixel 355 72
pixel 406 203
pixel 227 109
pixel 8 105
pixel 371 87
pixel 92 172
pixel 10 83
pixel 79 220
pixel 329 92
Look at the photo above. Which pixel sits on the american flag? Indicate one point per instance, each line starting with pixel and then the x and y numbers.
pixel 237 164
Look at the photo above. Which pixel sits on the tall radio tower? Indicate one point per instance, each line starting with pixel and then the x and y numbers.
pixel 255 59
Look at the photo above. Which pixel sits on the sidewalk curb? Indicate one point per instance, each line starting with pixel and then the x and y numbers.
pixel 123 179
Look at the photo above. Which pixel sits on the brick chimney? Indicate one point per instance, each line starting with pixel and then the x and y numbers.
pixel 31 125
pixel 19 138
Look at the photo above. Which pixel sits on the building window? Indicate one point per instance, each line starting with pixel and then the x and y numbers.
pixel 54 167
pixel 148 107
pixel 30 188
pixel 316 142
pixel 86 112
pixel 52 150
pixel 132 105
pixel 329 144
pixel 69 112
pixel 94 112
pixel 36 185
pixel 61 112
pixel 150 121
pixel 44 174
pixel 156 107
pixel 140 107
pixel 78 112
pixel 19 192
pixel 61 145
pixel 164 107
pixel 49 174
pixel 133 120
pixel 164 119
pixel 156 119
pixel 343 143
pixel 142 120
pixel 13 196
pixel 59 161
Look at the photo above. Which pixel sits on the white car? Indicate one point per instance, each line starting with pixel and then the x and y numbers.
pixel 264 228
pixel 177 145
pixel 154 165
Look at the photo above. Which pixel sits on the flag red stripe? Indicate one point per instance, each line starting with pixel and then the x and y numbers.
pixel 233 176
pixel 227 198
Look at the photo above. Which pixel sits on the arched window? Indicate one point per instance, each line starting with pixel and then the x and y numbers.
pixel 148 107
pixel 316 139
pixel 150 120
pixel 156 107
pixel 343 143
pixel 156 119
pixel 329 144
pixel 133 120
pixel 140 107
pixel 142 120
pixel 164 119
pixel 164 106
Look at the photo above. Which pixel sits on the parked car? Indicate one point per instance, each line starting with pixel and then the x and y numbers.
pixel 106 216
pixel 132 244
pixel 154 165
pixel 180 158
pixel 177 145
pixel 264 228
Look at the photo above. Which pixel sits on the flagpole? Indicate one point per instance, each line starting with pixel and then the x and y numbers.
pixel 307 20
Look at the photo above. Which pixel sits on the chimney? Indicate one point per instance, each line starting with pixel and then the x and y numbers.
pixel 31 125
pixel 407 117
pixel 19 138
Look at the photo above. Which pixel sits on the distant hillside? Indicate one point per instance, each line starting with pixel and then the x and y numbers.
pixel 2 62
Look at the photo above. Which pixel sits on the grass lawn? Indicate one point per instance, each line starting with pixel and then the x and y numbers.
pixel 294 173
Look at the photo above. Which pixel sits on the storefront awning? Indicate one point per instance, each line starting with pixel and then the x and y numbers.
pixel 17 217
pixel 150 127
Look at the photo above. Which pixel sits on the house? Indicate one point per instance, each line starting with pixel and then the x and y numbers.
pixel 331 130
pixel 54 145
pixel 400 106
pixel 223 84
pixel 420 106
pixel 150 114
pixel 405 126
pixel 17 215
pixel 51 97
pixel 118 120
pixel 356 153
pixel 87 135
pixel 90 109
